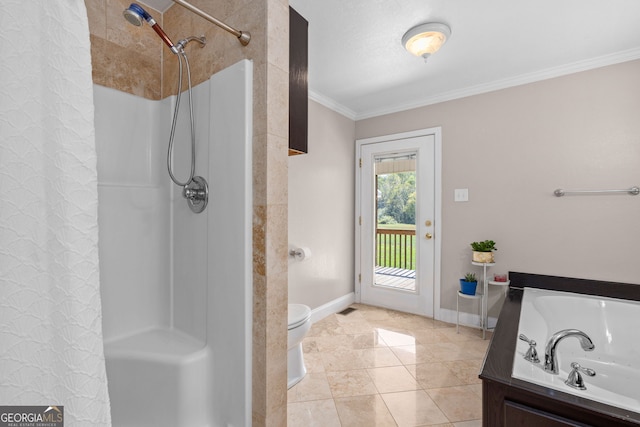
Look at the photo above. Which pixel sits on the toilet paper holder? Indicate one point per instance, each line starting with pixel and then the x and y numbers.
pixel 300 254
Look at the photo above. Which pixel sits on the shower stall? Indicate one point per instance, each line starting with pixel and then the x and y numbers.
pixel 176 286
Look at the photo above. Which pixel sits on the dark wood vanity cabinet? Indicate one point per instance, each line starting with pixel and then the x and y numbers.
pixel 507 406
pixel 298 83
pixel 516 414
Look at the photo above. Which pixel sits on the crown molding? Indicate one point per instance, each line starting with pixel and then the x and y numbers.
pixel 332 105
pixel 549 73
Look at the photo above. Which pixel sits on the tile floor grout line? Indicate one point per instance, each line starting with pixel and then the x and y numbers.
pixel 334 333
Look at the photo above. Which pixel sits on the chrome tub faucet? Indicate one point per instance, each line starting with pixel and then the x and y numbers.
pixel 550 358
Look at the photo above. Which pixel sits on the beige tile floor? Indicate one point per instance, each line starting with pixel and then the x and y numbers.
pixel 378 367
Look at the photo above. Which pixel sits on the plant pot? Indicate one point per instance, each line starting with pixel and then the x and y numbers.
pixel 483 257
pixel 468 288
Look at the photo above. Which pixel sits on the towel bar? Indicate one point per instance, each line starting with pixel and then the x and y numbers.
pixel 633 191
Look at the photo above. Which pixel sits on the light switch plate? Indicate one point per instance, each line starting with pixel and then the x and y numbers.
pixel 461 195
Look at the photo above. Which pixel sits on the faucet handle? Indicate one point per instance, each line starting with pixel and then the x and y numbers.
pixel 523 337
pixel 532 354
pixel 588 371
pixel 575 378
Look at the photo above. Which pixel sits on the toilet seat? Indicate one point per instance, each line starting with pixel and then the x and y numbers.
pixel 298 314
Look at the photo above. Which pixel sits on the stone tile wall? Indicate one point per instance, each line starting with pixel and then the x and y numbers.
pixel 124 57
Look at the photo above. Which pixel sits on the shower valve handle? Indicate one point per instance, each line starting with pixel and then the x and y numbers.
pixel 193 193
pixel 197 194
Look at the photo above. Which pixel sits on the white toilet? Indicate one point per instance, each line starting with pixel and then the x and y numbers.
pixel 299 324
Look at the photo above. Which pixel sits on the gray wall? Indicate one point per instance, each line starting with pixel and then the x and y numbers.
pixel 511 148
pixel 321 210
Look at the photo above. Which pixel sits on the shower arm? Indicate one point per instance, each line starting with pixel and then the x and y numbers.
pixel 243 36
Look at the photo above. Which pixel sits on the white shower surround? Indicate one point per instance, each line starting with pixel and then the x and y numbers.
pixel 176 286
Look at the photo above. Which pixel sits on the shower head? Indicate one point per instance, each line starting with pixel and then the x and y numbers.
pixel 135 14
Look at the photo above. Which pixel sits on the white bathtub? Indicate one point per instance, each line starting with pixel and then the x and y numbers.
pixel 612 325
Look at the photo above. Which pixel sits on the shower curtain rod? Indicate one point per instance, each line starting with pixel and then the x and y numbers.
pixel 243 36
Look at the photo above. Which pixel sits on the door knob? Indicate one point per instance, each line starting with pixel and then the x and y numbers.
pixel 428 236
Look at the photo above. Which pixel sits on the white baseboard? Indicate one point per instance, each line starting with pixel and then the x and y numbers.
pixel 332 307
pixel 449 316
pixel 467 319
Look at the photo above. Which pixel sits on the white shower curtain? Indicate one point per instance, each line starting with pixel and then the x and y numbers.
pixel 51 350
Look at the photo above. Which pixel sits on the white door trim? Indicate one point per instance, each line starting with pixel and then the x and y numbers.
pixel 437 133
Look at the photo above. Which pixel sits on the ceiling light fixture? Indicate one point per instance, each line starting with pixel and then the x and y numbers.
pixel 425 39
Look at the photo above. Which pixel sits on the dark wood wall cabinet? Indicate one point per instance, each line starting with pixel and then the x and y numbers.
pixel 298 83
pixel 508 401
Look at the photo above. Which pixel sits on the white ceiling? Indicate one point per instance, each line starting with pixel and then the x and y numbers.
pixel 358 67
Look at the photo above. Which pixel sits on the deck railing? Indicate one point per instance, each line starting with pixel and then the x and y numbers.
pixel 396 248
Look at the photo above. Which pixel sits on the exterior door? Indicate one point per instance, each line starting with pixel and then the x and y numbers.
pixel 396 222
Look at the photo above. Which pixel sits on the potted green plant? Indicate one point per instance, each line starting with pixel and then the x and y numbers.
pixel 483 251
pixel 468 284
